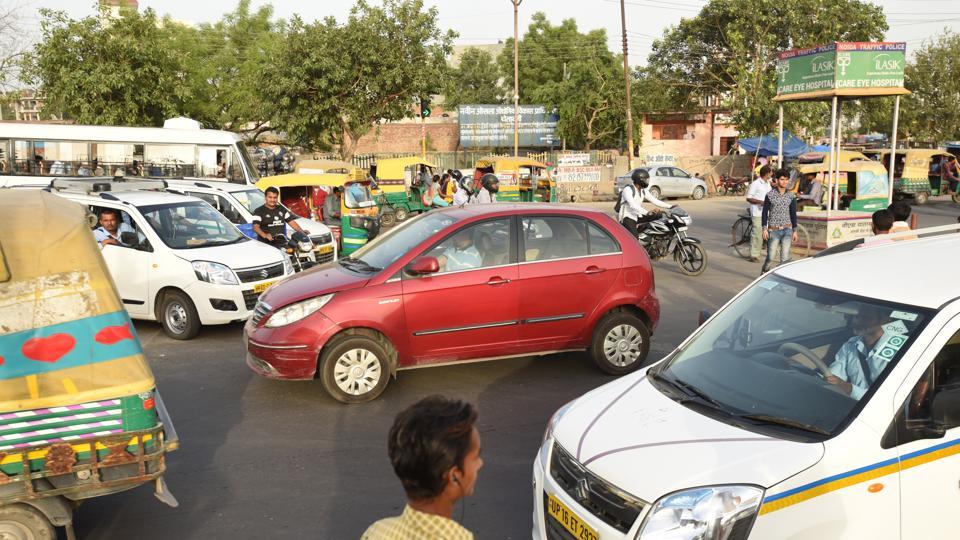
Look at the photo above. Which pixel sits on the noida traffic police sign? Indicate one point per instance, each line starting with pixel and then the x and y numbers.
pixel 842 69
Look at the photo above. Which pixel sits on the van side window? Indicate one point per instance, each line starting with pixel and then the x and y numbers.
pixel 933 407
pixel 126 224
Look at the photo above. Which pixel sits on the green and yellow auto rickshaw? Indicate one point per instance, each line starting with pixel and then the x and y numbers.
pixel 305 195
pixel 80 415
pixel 521 179
pixel 862 185
pixel 403 187
pixel 916 173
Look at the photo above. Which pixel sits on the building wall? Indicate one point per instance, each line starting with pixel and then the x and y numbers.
pixel 698 137
pixel 405 137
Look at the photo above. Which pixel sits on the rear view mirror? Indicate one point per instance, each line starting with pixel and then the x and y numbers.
pixel 424 266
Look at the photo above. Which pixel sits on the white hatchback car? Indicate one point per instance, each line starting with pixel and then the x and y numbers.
pixel 668 181
pixel 823 401
pixel 186 265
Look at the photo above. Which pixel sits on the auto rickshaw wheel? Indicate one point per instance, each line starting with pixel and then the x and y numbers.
pixel 921 197
pixel 956 198
pixel 23 522
pixel 388 219
pixel 401 214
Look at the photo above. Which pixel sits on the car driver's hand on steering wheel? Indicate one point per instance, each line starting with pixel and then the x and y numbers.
pixel 842 384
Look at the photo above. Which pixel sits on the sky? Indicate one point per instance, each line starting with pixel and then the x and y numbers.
pixel 482 22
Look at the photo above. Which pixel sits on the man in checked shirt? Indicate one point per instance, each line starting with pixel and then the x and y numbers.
pixel 779 219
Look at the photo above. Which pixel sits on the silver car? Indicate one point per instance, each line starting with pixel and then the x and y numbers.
pixel 667 181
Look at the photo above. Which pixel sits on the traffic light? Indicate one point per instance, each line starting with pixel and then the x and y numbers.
pixel 424 107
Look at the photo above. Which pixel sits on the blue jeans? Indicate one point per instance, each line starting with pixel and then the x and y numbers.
pixel 778 241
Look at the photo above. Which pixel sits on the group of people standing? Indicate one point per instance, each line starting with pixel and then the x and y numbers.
pixel 453 188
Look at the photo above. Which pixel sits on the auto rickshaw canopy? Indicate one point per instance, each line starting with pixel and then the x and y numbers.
pixel 329 166
pixel 844 156
pixel 304 180
pixel 844 167
pixel 392 168
pixel 65 338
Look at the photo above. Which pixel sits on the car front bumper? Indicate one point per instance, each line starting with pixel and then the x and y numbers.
pixel 288 352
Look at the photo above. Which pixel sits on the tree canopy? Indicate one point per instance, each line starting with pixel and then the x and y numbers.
pixel 474 80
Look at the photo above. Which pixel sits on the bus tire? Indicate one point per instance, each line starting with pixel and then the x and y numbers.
pixel 23 522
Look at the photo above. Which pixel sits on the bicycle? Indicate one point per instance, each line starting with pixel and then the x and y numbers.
pixel 742 231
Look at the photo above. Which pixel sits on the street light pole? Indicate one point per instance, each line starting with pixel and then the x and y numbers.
pixel 516 79
pixel 626 81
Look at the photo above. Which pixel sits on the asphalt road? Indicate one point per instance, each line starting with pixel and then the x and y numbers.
pixel 268 459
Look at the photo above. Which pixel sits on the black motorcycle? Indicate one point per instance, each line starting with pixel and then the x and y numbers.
pixel 298 248
pixel 668 234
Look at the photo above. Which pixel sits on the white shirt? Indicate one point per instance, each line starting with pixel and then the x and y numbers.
pixel 461 197
pixel 485 197
pixel 631 202
pixel 758 191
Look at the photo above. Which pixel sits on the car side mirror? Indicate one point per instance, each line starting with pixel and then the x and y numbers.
pixel 424 266
pixel 703 316
pixel 129 238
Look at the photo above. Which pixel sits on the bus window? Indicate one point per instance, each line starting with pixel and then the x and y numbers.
pixel 23 162
pixel 245 172
pixel 112 159
pixel 170 160
pixel 212 162
pixel 4 155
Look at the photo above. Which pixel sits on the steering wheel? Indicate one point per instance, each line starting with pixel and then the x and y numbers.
pixel 797 348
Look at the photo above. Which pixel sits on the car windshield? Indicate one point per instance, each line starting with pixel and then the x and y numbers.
pixel 187 225
pixel 392 245
pixel 251 199
pixel 790 359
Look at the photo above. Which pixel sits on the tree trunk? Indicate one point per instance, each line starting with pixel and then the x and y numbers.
pixel 348 143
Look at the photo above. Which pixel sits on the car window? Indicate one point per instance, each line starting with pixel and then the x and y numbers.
pixel 663 171
pixel 221 204
pixel 127 224
pixel 546 238
pixel 600 242
pixel 679 173
pixel 475 246
pixel 186 225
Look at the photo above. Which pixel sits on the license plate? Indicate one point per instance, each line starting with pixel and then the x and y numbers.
pixel 570 521
pixel 259 288
pixel 323 250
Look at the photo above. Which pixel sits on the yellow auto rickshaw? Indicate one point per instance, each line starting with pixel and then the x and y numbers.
pixel 521 179
pixel 916 173
pixel 862 185
pixel 403 187
pixel 305 195
pixel 79 409
pixel 329 166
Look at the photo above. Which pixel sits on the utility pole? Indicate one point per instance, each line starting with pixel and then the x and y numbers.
pixel 626 80
pixel 516 79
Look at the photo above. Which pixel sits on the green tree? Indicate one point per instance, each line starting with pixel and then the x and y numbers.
pixel 121 71
pixel 474 80
pixel 575 73
pixel 331 83
pixel 729 50
pixel 932 112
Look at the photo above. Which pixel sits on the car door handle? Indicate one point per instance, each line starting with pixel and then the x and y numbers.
pixel 497 281
pixel 594 270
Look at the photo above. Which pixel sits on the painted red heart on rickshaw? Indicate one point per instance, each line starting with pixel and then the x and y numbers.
pixel 48 349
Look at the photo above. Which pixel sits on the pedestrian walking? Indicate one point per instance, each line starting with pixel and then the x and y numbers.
pixel 434 448
pixel 779 220
pixel 756 194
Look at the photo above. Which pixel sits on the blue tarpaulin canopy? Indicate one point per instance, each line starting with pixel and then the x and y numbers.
pixel 792 146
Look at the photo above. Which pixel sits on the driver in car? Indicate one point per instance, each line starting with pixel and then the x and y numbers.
pixel 110 229
pixel 858 363
pixel 461 254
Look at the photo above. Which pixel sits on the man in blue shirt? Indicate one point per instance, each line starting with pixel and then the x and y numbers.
pixel 862 359
pixel 110 229
pixel 461 255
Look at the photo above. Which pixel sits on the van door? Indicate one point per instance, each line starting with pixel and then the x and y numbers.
pixel 130 267
pixel 926 431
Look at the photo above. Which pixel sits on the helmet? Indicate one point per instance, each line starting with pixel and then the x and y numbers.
pixel 466 183
pixel 641 177
pixel 490 182
pixel 456 175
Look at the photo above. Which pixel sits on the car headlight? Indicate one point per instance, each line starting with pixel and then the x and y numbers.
pixel 548 432
pixel 295 312
pixel 287 266
pixel 702 513
pixel 215 273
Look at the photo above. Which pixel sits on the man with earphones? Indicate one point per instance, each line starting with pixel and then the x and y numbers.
pixel 434 448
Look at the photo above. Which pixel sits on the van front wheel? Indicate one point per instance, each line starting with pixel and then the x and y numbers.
pixel 23 522
pixel 620 343
pixel 179 316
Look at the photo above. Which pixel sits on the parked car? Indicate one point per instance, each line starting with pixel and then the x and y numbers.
pixel 184 264
pixel 823 401
pixel 461 284
pixel 668 181
pixel 237 203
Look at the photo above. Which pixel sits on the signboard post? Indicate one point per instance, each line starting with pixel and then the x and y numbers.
pixel 492 126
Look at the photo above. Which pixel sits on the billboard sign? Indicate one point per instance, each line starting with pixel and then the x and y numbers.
pixel 491 126
pixel 868 67
pixel 569 173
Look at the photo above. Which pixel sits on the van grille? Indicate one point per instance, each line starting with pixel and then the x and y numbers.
pixel 260 273
pixel 324 258
pixel 250 298
pixel 612 505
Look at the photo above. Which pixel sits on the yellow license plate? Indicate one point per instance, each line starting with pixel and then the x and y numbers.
pixel 259 288
pixel 570 521
pixel 325 249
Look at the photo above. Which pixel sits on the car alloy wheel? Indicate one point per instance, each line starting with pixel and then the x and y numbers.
pixel 623 345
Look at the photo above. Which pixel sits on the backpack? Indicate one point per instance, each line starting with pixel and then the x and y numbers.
pixel 616 207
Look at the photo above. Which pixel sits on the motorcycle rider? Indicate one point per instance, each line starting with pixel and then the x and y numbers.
pixel 489 186
pixel 465 192
pixel 632 212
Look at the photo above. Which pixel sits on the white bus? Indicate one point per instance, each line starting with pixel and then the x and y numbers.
pixel 31 153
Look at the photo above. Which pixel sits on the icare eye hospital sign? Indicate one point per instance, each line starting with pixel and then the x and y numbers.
pixel 861 69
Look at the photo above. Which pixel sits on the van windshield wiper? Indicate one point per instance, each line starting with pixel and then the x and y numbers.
pixel 785 422
pixel 693 393
pixel 360 264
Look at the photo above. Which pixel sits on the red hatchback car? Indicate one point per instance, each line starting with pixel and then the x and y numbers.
pixel 479 282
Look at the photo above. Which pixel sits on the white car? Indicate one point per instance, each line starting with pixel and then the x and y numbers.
pixel 667 181
pixel 823 401
pixel 186 265
pixel 237 203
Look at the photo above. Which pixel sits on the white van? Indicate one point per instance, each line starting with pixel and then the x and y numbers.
pixel 823 401
pixel 185 265
pixel 237 203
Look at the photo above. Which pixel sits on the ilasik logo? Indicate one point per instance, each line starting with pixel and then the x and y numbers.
pixel 884 62
pixel 820 64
